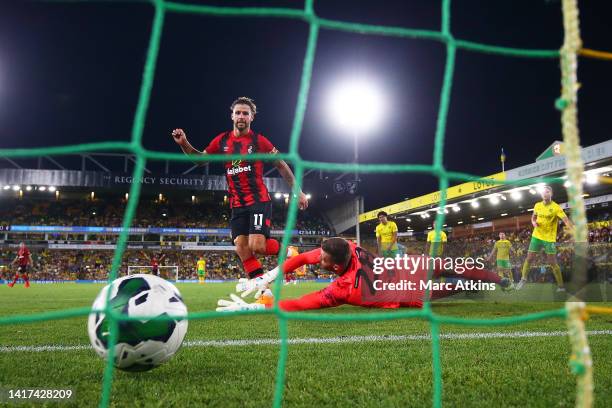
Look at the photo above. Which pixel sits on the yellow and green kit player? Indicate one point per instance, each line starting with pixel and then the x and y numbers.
pixel 503 248
pixel 201 269
pixel 545 217
pixel 435 245
pixel 386 236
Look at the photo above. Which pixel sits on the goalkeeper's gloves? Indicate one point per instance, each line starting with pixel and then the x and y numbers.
pixel 257 285
pixel 237 304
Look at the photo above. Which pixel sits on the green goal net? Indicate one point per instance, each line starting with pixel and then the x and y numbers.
pixel 566 104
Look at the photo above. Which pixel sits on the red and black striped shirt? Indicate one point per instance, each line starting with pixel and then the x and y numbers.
pixel 244 178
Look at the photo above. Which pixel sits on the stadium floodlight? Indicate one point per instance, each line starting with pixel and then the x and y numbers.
pixel 504 214
pixel 278 195
pixel 475 204
pixel 7 187
pixel 164 214
pixel 28 188
pixel 52 189
pixel 42 188
pixel 480 218
pixel 494 200
pixel 503 197
pixel 456 208
pixel 93 213
pixel 532 191
pixel 356 104
pixel 460 222
pixel 408 219
pixel 16 188
pixel 516 195
pixel 592 178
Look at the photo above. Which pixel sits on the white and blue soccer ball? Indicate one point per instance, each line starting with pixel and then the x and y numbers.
pixel 141 344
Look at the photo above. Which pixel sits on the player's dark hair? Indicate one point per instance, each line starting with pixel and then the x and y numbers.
pixel 244 100
pixel 338 249
pixel 382 213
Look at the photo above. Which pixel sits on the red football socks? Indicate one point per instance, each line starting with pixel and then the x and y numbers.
pixel 252 267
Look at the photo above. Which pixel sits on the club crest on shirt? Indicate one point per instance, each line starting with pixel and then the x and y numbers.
pixel 250 149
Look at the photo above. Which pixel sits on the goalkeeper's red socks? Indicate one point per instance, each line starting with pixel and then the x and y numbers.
pixel 27 281
pixel 252 267
pixel 272 246
pixel 14 281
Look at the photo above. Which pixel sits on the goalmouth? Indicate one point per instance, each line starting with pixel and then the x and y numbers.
pixel 169 272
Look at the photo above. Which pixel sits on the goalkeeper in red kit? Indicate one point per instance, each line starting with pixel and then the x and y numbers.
pixel 354 285
pixel 23 259
pixel 249 197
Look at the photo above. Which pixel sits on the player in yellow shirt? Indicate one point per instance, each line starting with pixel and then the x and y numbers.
pixel 503 248
pixel 386 236
pixel 545 217
pixel 201 269
pixel 435 247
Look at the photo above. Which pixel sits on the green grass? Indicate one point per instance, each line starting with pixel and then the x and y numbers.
pixel 476 372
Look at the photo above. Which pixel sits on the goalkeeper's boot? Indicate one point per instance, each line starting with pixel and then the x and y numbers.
pixel 10 285
pixel 27 284
pixel 266 298
pixel 521 283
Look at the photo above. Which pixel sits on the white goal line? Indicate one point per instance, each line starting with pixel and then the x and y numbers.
pixel 325 340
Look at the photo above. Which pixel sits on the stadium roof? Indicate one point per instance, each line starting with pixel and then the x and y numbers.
pixel 597 159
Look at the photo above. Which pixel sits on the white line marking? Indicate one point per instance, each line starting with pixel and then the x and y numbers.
pixel 326 340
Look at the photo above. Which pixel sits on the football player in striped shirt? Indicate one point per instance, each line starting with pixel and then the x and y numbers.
pixel 249 197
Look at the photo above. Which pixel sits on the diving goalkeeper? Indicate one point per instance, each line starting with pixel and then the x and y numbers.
pixel 349 262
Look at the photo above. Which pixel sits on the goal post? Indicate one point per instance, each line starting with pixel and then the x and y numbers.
pixel 169 272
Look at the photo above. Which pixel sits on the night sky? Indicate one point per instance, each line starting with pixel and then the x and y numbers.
pixel 70 73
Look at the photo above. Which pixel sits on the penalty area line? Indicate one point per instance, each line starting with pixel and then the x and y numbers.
pixel 324 340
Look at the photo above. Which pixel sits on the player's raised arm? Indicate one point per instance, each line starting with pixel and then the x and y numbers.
pixel 180 138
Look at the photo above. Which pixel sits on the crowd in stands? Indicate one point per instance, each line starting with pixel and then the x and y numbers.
pixel 58 265
pixel 150 213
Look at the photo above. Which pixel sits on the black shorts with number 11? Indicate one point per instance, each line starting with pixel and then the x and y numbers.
pixel 254 219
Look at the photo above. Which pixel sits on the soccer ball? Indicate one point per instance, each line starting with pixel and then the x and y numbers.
pixel 141 344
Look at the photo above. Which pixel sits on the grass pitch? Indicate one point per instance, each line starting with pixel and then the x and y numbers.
pixel 232 361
